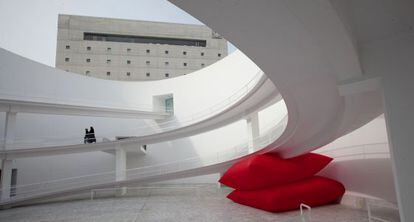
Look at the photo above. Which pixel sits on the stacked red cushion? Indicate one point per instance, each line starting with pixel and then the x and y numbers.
pixel 314 191
pixel 268 170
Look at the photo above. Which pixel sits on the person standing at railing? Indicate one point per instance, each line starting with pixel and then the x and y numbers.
pixel 89 136
pixel 92 138
pixel 86 137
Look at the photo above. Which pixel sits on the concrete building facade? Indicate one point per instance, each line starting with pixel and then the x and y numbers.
pixel 129 50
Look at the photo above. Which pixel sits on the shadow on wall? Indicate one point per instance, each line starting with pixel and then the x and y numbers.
pixel 367 176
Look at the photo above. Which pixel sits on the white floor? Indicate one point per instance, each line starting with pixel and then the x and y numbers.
pixel 202 203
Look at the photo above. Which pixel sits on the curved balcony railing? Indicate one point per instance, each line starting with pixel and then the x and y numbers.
pixel 88 182
pixel 360 151
pixel 145 130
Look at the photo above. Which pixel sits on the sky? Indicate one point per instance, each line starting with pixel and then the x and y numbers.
pixel 29 27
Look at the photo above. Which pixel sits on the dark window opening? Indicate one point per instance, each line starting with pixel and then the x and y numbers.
pixel 128 61
pixel 148 51
pixel 67 59
pixel 219 55
pixel 108 73
pixel 184 53
pixel 143 39
pixel 68 47
pixel 148 74
pixel 185 64
pixel 166 51
pixel 167 75
pixel 128 74
pixel 88 60
pixel 202 54
pixel 88 48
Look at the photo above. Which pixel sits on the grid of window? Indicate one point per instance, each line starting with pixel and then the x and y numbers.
pixel 143 39
pixel 127 57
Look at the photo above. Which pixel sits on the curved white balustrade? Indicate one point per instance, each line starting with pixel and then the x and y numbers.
pixel 363 169
pixel 360 151
pixel 164 126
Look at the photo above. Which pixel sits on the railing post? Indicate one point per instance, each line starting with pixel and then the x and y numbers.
pixel 120 166
pixel 252 131
pixel 7 165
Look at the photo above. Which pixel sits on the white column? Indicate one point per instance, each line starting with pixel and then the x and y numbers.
pixel 120 167
pixel 120 164
pixel 6 174
pixel 9 129
pixel 396 67
pixel 6 165
pixel 252 131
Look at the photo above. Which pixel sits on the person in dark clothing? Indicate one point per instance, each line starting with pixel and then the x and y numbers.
pixel 86 137
pixel 92 138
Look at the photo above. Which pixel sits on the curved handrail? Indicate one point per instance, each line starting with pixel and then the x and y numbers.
pixel 61 185
pixel 162 126
pixel 364 151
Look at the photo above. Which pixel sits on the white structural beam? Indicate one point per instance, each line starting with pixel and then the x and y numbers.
pixel 397 68
pixel 253 131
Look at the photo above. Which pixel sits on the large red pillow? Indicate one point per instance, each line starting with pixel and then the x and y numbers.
pixel 267 170
pixel 315 191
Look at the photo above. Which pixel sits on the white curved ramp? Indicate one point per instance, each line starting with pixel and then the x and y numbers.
pixel 307 52
pixel 196 166
pixel 253 96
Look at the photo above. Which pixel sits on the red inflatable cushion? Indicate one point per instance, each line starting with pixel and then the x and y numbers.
pixel 267 170
pixel 315 191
